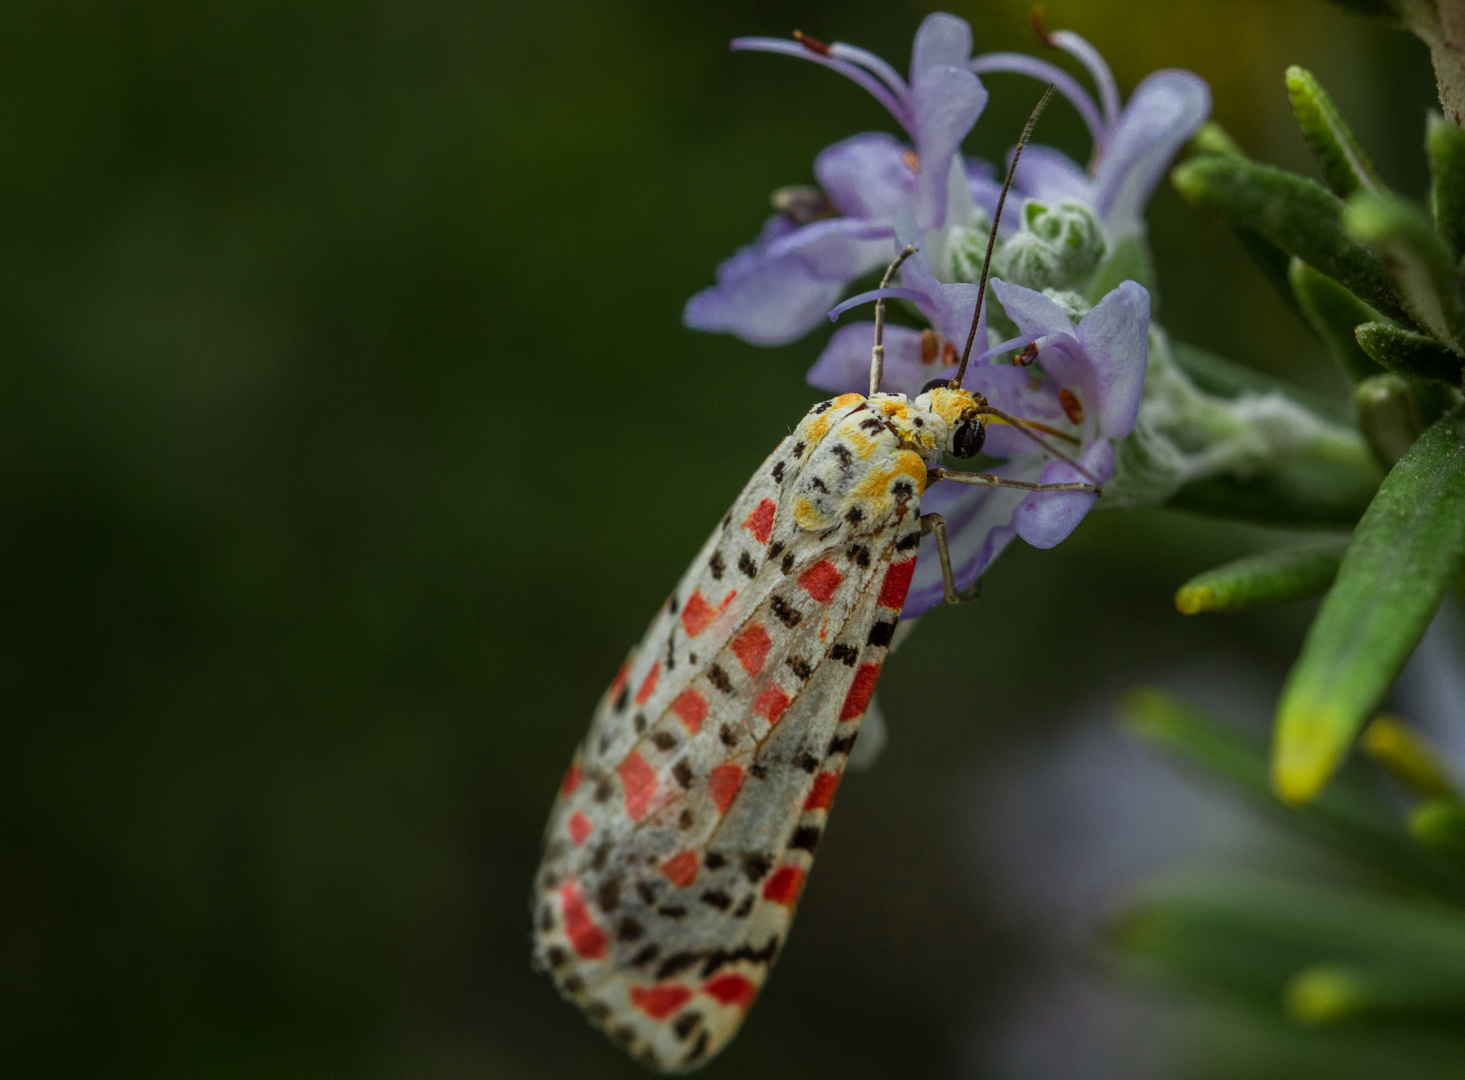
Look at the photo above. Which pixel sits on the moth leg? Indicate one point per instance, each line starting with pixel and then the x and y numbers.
pixel 988 480
pixel 935 523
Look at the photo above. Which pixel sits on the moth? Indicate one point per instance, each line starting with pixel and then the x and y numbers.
pixel 687 822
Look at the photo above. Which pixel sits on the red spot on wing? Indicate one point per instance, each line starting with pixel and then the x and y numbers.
pixel 579 828
pixel 897 583
pixel 751 648
pixel 661 1000
pixel 821 795
pixel 681 870
pixel 783 887
pixel 760 521
pixel 648 684
pixel 820 580
pixel 620 679
pixel 860 692
pixel 587 939
pixel 639 781
pixel 731 990
pixel 692 708
pixel 724 782
pixel 696 614
pixel 571 780
pixel 770 703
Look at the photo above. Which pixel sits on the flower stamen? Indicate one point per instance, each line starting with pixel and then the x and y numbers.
pixel 814 45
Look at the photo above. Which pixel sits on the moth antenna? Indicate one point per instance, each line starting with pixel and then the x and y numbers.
pixel 1023 426
pixel 992 240
pixel 877 351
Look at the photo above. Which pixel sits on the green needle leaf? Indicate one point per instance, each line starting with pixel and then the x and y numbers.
pixel 1440 824
pixel 1388 415
pixel 1348 817
pixel 1334 314
pixel 1252 938
pixel 1299 216
pixel 1344 164
pixel 1408 755
pixel 1212 138
pixel 1416 356
pixel 1333 993
pixel 1422 269
pixel 1445 143
pixel 1274 577
pixel 1407 549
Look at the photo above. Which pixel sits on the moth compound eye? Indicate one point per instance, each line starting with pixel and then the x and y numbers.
pixel 936 384
pixel 968 440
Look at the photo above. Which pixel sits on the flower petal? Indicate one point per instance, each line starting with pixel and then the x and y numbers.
pixel 844 365
pixel 837 248
pixel 866 176
pixel 1165 110
pixel 1033 312
pixel 1018 392
pixel 761 300
pixel 1049 175
pixel 978 527
pixel 942 40
pixel 1045 518
pixel 946 102
pixel 949 307
pixel 1115 336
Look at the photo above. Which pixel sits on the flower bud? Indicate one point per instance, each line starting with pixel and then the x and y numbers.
pixel 1058 247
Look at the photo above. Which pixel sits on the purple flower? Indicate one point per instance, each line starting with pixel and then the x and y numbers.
pixel 773 291
pixel 1083 390
pixel 1132 145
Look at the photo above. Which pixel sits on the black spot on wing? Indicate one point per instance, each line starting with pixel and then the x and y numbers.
pixel 784 612
pixel 846 654
pixel 881 634
pixel 747 565
pixel 716 566
pixel 805 838
pixel 719 678
pixel 756 865
pixel 683 1026
pixel 908 541
pixel 664 741
pixel 677 963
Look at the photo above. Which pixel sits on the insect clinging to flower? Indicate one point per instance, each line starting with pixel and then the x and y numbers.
pixel 688 820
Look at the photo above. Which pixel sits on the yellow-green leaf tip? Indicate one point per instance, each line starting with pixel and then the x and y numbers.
pixel 1306 752
pixel 1321 995
pixel 1190 599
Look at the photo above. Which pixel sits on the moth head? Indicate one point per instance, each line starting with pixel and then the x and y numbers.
pixel 960 410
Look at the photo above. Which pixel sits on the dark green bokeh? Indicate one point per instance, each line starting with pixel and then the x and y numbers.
pixel 350 436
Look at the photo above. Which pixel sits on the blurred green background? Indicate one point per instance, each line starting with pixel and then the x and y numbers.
pixel 349 435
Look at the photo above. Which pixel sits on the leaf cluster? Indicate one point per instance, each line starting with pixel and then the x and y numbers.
pixel 1382 283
